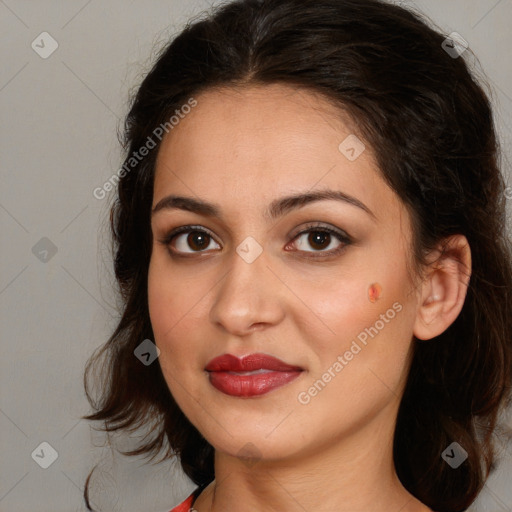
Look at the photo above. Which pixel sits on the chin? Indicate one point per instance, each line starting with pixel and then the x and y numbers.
pixel 255 447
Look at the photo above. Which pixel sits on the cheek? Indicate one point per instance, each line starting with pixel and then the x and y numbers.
pixel 161 310
pixel 359 363
pixel 370 305
pixel 169 300
pixel 171 297
pixel 173 309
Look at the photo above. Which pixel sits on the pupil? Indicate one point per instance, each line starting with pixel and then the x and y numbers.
pixel 316 237
pixel 194 236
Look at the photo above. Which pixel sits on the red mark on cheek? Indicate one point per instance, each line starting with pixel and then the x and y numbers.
pixel 374 292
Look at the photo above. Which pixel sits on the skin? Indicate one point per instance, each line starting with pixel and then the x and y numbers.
pixel 241 149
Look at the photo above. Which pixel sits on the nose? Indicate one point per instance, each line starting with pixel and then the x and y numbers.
pixel 249 297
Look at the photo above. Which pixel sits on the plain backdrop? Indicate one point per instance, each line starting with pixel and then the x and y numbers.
pixel 60 116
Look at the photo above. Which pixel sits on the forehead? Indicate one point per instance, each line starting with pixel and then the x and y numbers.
pixel 261 141
pixel 261 119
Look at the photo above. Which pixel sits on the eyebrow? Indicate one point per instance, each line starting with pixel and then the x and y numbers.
pixel 276 209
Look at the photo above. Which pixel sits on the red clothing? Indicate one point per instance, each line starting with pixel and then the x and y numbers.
pixel 186 505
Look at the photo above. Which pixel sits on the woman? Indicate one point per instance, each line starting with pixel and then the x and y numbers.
pixel 310 244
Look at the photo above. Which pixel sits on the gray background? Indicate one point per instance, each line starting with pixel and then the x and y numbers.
pixel 58 143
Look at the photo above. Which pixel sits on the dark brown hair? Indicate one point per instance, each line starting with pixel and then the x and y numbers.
pixel 431 126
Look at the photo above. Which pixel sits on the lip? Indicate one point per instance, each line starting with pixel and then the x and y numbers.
pixel 250 375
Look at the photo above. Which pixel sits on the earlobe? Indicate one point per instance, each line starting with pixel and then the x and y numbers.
pixel 444 288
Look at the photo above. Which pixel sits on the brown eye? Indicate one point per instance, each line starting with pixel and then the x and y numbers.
pixel 197 240
pixel 321 239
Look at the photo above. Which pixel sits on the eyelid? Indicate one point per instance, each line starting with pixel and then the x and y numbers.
pixel 321 226
pixel 185 229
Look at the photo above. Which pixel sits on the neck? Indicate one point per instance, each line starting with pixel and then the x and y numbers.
pixel 355 473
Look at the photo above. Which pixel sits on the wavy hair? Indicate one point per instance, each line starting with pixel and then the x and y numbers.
pixel 431 125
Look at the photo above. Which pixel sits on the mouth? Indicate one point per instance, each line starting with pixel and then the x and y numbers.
pixel 251 375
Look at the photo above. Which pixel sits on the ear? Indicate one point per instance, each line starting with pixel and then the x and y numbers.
pixel 444 288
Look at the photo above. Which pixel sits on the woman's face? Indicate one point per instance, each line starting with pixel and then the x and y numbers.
pixel 338 312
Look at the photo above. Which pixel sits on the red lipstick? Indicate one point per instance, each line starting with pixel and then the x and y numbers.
pixel 251 375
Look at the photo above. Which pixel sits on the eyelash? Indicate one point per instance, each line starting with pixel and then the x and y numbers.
pixel 318 228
